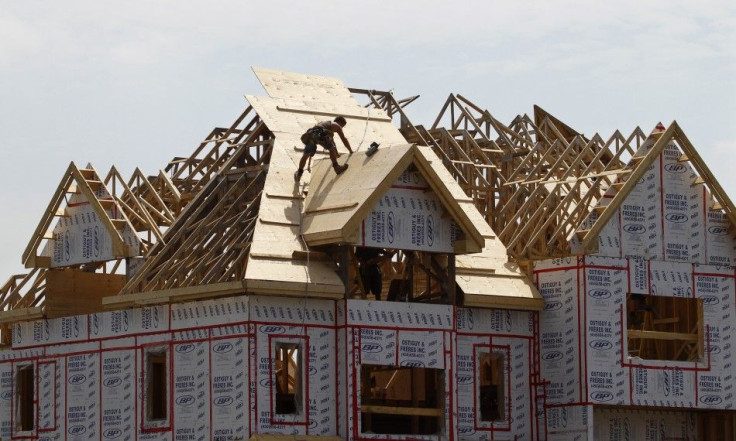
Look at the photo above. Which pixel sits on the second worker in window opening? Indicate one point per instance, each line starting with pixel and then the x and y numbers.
pixel 369 260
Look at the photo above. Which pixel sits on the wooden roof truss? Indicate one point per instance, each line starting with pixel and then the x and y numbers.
pixel 21 298
pixel 209 243
pixel 535 182
pixel 247 136
pixel 210 240
pixel 388 103
pixel 150 203
pixel 75 181
pixel 637 167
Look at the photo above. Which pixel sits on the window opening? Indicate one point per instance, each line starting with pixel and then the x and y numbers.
pixel 25 393
pixel 401 400
pixel 157 384
pixel 402 275
pixel 491 387
pixel 288 378
pixel 664 328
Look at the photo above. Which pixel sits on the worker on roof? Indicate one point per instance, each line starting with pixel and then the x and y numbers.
pixel 323 134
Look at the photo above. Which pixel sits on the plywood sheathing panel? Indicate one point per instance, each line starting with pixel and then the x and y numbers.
pixel 336 205
pixel 74 292
pixel 363 125
pixel 275 238
pixel 271 268
pixel 488 279
pixel 302 87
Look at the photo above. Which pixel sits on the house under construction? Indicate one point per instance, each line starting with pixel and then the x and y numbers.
pixel 468 280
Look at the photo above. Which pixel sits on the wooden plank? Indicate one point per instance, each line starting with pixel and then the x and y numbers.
pixel 659 335
pixel 274 222
pixel 357 114
pixel 337 207
pixel 393 410
pixel 173 295
pixel 23 314
pixel 700 166
pixel 42 261
pixel 118 246
pixel 47 218
pixel 283 195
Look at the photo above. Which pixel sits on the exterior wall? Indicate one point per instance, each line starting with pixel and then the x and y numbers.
pixel 562 352
pixel 397 334
pixel 666 217
pixel 512 334
pixel 663 241
pixel 629 425
pixel 91 381
pixel 584 353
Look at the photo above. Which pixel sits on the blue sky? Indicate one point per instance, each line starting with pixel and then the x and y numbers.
pixel 133 85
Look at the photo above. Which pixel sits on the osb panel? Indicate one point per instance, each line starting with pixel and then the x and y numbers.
pixel 277 233
pixel 363 125
pixel 496 291
pixel 73 292
pixel 277 230
pixel 335 200
pixel 298 278
pixel 297 86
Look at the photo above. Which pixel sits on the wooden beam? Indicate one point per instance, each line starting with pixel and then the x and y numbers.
pixel 23 314
pixel 697 162
pixel 173 295
pixel 47 218
pixel 380 116
pixel 660 335
pixel 393 410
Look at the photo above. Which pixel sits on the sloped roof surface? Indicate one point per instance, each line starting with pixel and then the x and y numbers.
pixel 337 204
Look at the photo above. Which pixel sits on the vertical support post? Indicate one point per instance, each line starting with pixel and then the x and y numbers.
pixel 342 251
pixel 451 283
